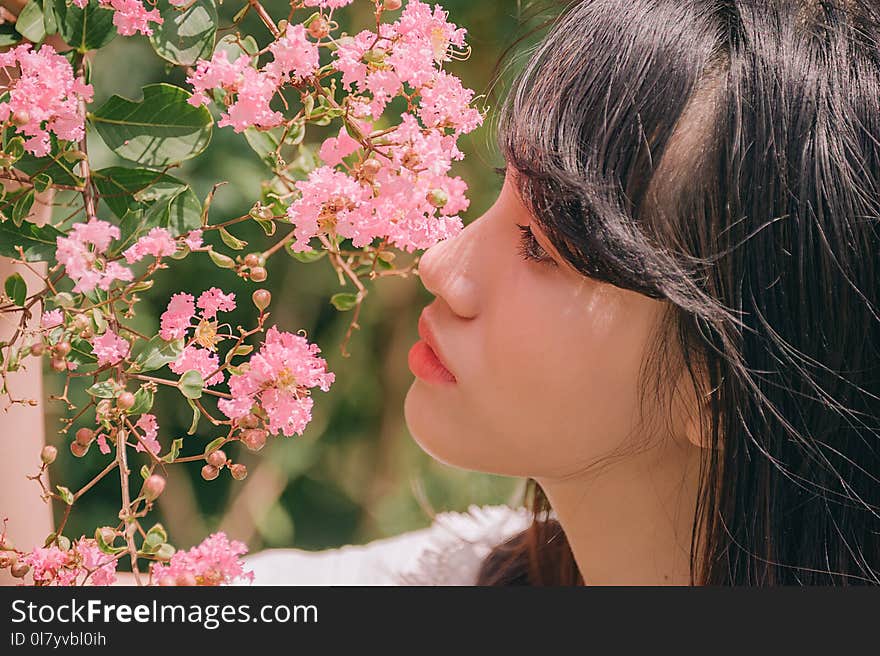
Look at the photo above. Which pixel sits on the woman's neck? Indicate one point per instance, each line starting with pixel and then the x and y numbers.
pixel 629 522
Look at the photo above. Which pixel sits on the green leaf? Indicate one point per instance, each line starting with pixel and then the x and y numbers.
pixel 81 352
pixel 264 143
pixel 231 240
pixel 344 301
pixel 143 402
pixel 220 260
pixel 22 208
pixel 125 189
pixel 176 445
pixel 66 494
pixel 213 445
pixel 304 256
pixel 106 389
pixel 41 182
pixel 8 35
pixel 191 384
pixel 161 129
pixel 145 472
pixel 106 548
pixel 16 289
pixel 195 420
pixel 55 165
pixel 188 35
pixel 30 22
pixel 84 29
pixel 38 242
pixel 179 215
pixel 156 354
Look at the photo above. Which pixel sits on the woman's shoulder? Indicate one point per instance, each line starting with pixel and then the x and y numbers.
pixel 448 552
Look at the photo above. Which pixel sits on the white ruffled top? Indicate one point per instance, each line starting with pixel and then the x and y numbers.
pixel 449 552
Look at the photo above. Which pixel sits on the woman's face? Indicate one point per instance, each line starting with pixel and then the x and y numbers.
pixel 545 361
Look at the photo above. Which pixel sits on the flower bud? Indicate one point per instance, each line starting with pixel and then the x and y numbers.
pixel 210 472
pixel 20 118
pixel 254 438
pixel 153 487
pixel 125 400
pixel 370 169
pixel 48 454
pixel 437 198
pixel 108 535
pixel 38 348
pixel 319 28
pixel 81 322
pixel 254 260
pixel 18 570
pixel 8 558
pixel 79 450
pixel 238 471
pixel 250 420
pixel 261 298
pixel 85 436
pixel 391 5
pixel 59 364
pixel 216 458
pixel 258 274
pixel 187 578
pixel 61 348
pixel 87 333
pixel 165 552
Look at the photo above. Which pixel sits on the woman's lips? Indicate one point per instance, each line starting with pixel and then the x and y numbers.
pixel 425 360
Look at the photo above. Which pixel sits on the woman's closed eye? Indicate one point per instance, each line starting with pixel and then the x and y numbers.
pixel 530 249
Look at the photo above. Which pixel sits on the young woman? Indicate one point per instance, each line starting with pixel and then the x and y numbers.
pixel 669 321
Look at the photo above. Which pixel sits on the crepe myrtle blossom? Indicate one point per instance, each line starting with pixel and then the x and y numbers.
pixel 251 90
pixel 51 319
pixel 150 427
pixel 109 348
pixel 44 98
pixel 202 360
pixel 177 318
pixel 277 377
pixel 84 562
pixel 213 562
pixel 81 251
pixel 158 242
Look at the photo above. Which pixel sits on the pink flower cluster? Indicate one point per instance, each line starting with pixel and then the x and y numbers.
pixel 413 202
pixel 109 348
pixel 81 251
pixel 45 97
pixel 176 321
pixel 250 90
pixel 84 563
pixel 277 377
pixel 213 562
pixel 130 16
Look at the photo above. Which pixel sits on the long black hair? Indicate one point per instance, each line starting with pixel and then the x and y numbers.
pixel 724 155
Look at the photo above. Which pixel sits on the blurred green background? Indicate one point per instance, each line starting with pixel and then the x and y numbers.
pixel 356 474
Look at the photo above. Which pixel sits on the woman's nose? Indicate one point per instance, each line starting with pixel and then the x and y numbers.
pixel 449 269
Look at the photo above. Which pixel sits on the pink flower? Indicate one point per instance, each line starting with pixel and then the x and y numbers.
pixel 294 55
pixel 200 359
pixel 335 148
pixel 175 320
pixel 193 238
pixel 51 319
pixel 81 254
pixel 218 72
pixel 103 447
pixel 150 426
pixel 92 559
pixel 130 16
pixel 212 300
pixel 46 562
pixel 278 376
pixel 446 102
pixel 251 105
pixel 213 562
pixel 109 348
pixel 158 242
pixel 44 98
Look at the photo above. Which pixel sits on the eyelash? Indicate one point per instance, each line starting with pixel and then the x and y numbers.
pixel 530 249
